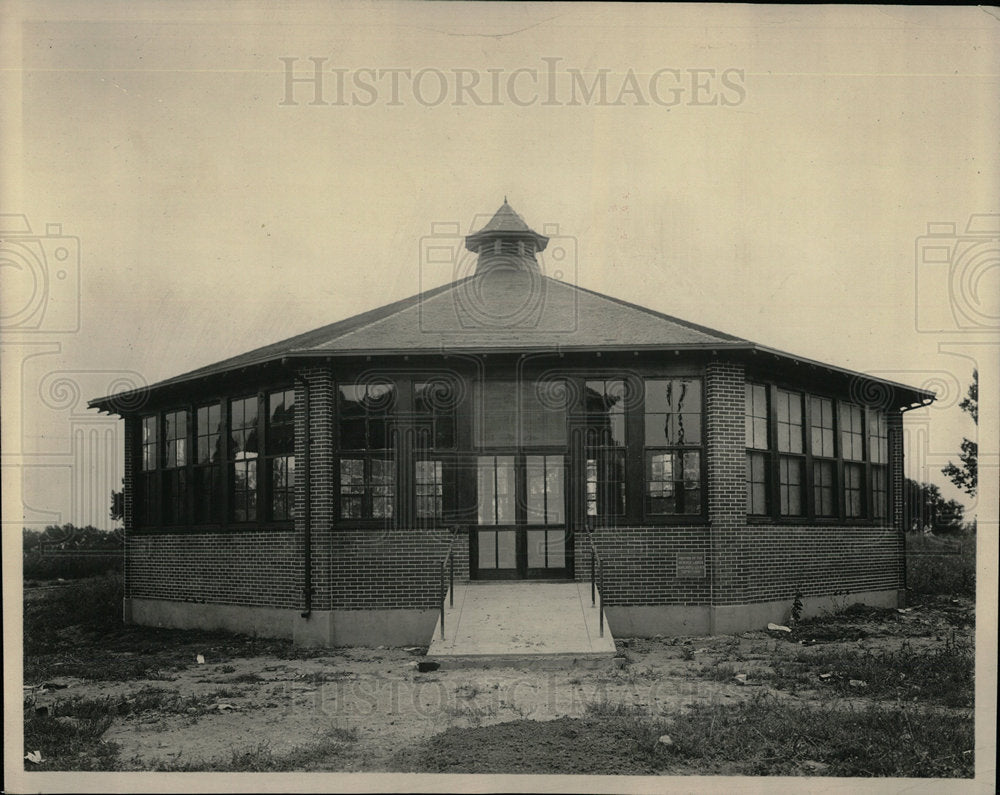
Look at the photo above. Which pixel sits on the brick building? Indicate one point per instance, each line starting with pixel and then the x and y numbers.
pixel 311 488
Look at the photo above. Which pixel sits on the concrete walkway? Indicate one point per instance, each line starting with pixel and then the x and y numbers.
pixel 520 619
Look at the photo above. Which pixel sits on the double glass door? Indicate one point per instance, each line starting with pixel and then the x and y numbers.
pixel 521 531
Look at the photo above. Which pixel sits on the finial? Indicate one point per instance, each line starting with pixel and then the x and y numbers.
pixel 505 198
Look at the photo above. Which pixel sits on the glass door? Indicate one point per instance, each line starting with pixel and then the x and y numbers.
pixel 521 530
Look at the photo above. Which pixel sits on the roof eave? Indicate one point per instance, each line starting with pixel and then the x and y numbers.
pixel 108 403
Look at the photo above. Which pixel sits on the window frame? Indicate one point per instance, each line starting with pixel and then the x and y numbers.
pixel 192 521
pixel 680 450
pixel 836 463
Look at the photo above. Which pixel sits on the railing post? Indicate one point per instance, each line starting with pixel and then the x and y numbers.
pixel 442 600
pixel 602 601
pixel 451 589
pixel 593 569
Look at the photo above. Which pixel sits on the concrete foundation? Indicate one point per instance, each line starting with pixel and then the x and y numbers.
pixel 647 621
pixel 416 627
pixel 321 628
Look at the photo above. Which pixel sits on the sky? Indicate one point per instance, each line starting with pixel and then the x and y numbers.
pixel 767 171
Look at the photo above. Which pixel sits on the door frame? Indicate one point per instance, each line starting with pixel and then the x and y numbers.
pixel 521 571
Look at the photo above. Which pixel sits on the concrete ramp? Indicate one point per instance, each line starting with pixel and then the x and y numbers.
pixel 522 620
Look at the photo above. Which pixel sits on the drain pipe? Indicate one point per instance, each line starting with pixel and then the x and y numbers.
pixel 307 504
pixel 902 464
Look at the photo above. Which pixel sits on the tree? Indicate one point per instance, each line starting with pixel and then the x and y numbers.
pixel 118 505
pixel 966 476
pixel 928 511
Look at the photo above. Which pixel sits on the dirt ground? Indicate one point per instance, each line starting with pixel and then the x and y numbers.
pixel 380 704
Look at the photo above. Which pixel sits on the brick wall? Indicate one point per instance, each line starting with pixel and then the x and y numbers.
pixel 249 567
pixel 641 564
pixel 392 568
pixel 816 561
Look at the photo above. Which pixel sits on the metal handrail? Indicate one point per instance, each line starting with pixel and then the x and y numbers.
pixel 596 580
pixel 447 590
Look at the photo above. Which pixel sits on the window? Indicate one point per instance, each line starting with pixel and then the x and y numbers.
pixel 545 476
pixel 790 484
pixel 496 489
pixel 854 475
pixel 281 453
pixel 823 488
pixel 604 405
pixel 367 466
pixel 526 413
pixel 367 488
pixel 149 509
pixel 852 449
pixel 434 403
pixel 208 464
pixel 672 425
pixel 429 487
pixel 757 438
pixel 243 459
pixel 546 491
pixel 851 434
pixel 791 459
pixel 822 437
pixel 878 447
pixel 175 467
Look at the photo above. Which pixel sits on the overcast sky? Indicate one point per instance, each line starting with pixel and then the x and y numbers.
pixel 764 171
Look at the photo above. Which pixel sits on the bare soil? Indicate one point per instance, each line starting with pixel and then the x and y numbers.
pixel 382 711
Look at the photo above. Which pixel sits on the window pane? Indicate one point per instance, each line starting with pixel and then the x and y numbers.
pixel 149 443
pixel 604 402
pixel 429 489
pixel 790 485
pixel 672 412
pixel 673 482
pixel 756 479
pixel 755 404
pixel 823 487
pixel 505 490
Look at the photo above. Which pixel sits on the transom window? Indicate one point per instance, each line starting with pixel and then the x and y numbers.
pixel 434 403
pixel 525 414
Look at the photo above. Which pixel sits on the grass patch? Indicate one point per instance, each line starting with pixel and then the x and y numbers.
pixel 262 758
pixel 77 630
pixel 67 566
pixel 763 736
pixel 943 675
pixel 945 566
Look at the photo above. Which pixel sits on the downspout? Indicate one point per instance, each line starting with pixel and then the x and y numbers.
pixel 902 464
pixel 307 504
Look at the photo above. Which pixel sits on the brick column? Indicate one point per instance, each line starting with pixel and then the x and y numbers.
pixel 320 424
pixel 897 494
pixel 726 446
pixel 132 431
